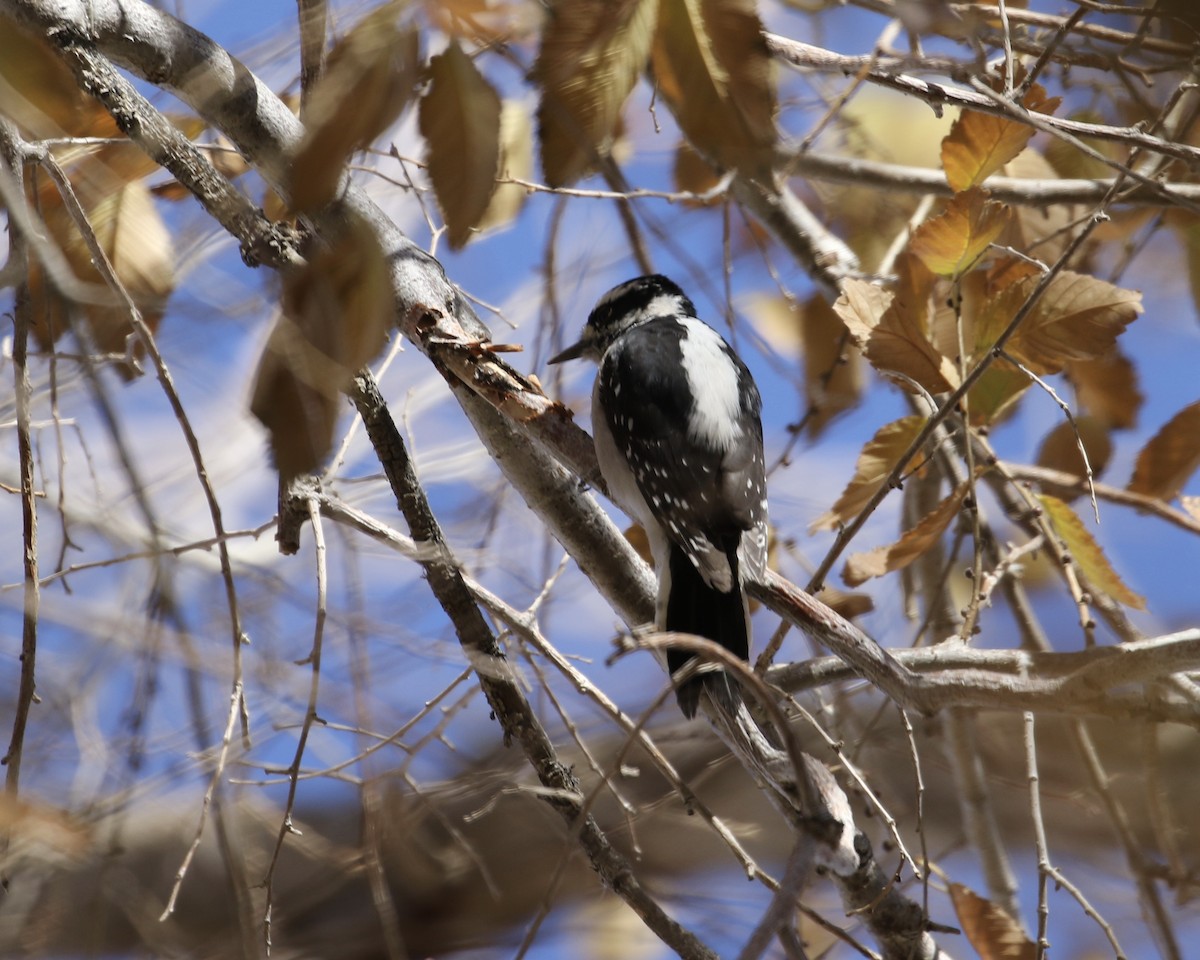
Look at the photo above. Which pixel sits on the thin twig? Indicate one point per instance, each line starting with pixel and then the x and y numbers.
pixel 313 659
pixel 13 160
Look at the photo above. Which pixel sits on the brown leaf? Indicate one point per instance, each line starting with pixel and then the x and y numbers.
pixel 370 78
pixel 39 93
pixel 1078 318
pixel 892 327
pixel 951 243
pixel 1071 163
pixel 484 21
pixel 693 174
pixel 833 367
pixel 130 231
pixel 460 120
pixel 861 567
pixel 848 605
pixel 1107 388
pixel 991 930
pixel 1060 451
pixel 1168 461
pixel 712 67
pixel 516 162
pixel 878 458
pixel 337 311
pixel 979 144
pixel 1086 553
pixel 591 56
pixel 1042 230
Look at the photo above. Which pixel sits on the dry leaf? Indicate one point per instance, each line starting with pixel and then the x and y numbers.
pixel 591 56
pixel 130 231
pixel 878 458
pixel 1086 553
pixel 833 367
pixel 861 567
pixel 861 306
pixel 693 174
pixel 1041 230
pixel 1060 451
pixel 370 78
pixel 712 67
pixel 1071 163
pixel 1168 461
pixel 484 21
pixel 892 327
pixel 1107 388
pixel 40 94
pixel 337 311
pixel 848 605
pixel 993 933
pixel 460 120
pixel 951 243
pixel 44 831
pixel 979 144
pixel 516 162
pixel 1078 318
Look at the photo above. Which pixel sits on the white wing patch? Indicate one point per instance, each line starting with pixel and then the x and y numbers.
pixel 713 421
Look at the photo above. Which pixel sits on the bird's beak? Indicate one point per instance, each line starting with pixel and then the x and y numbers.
pixel 573 352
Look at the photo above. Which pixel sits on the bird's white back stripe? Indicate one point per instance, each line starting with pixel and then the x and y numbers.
pixel 717 402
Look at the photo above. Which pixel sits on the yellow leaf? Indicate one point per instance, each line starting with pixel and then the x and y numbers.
pixel 1060 451
pixel 1078 318
pixel 1086 553
pixel 712 67
pixel 989 928
pixel 516 162
pixel 1170 458
pixel 878 458
pixel 949 244
pixel 337 311
pixel 592 53
pixel 370 78
pixel 979 144
pixel 1107 388
pixel 861 567
pixel 460 120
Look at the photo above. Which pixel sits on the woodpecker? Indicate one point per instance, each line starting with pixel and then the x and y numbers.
pixel 678 430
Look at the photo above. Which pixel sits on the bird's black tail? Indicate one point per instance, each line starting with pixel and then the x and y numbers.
pixel 695 607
